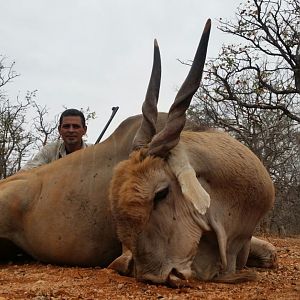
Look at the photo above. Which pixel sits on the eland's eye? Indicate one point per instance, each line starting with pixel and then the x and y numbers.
pixel 160 195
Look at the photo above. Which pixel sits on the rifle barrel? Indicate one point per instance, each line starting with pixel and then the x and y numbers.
pixel 114 111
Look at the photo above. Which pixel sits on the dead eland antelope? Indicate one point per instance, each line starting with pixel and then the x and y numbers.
pixel 183 202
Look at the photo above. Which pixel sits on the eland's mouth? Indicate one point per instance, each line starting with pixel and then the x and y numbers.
pixel 177 279
pixel 174 279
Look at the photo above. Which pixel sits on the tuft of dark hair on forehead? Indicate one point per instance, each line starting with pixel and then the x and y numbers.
pixel 71 112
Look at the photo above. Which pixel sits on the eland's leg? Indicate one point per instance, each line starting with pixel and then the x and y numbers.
pixel 15 195
pixel 8 250
pixel 262 254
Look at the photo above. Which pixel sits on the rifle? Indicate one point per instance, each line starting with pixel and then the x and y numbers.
pixel 114 111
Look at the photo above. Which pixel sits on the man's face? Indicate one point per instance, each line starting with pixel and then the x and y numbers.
pixel 72 130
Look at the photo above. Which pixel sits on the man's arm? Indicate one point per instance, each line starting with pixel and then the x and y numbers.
pixel 44 156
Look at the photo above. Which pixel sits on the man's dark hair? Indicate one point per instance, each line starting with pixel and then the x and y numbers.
pixel 71 113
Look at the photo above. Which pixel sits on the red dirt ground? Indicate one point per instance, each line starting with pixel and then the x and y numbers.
pixel 40 281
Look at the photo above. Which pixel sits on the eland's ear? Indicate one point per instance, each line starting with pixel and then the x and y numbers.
pixel 123 264
pixel 191 188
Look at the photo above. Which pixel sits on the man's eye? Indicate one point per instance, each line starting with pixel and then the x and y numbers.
pixel 67 126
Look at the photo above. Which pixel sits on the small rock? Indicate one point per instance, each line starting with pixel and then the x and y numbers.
pixel 120 285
